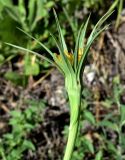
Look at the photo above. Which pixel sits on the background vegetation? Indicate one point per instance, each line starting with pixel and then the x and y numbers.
pixel 34 111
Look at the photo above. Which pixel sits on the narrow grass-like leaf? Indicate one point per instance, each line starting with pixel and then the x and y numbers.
pixel 60 63
pixel 56 41
pixel 39 55
pixel 76 47
pixel 86 50
pixel 30 51
pixel 112 7
pixel 31 9
pixel 37 42
pixel 95 32
pixel 98 25
pixel 83 33
pixel 80 41
pixel 61 38
pixel 53 55
pixel 63 45
pixel 120 7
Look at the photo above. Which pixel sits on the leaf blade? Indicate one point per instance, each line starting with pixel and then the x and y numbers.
pixel 30 51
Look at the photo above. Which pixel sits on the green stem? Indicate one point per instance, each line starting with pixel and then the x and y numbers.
pixel 74 94
pixel 71 141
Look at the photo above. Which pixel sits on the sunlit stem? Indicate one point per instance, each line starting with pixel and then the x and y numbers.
pixel 74 94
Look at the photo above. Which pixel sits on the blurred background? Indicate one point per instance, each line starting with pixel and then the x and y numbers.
pixel 34 110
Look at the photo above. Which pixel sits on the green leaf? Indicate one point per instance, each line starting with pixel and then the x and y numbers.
pixel 15 114
pixel 96 29
pixel 122 108
pixel 95 32
pixel 31 68
pixel 49 4
pixel 81 65
pixel 14 155
pixel 10 34
pixel 80 42
pixel 83 33
pixel 61 38
pixel 99 155
pixel 14 77
pixel 28 145
pixel 89 145
pixel 13 12
pixel 30 51
pixel 56 42
pixel 111 148
pixel 1 58
pixel 6 3
pixel 58 64
pixel 28 126
pixel 63 48
pixel 116 80
pixel 110 125
pixel 62 67
pixel 38 42
pixel 120 8
pixel 22 10
pixel 107 103
pixel 114 4
pixel 76 47
pixel 31 9
pixel 41 11
pixel 90 117
pixel 8 136
pixel 1 10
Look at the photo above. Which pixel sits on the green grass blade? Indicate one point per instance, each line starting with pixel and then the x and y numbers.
pixel 103 19
pixel 56 42
pixel 62 65
pixel 53 55
pixel 95 32
pixel 80 41
pixel 61 38
pixel 83 33
pixel 86 51
pixel 76 47
pixel 63 47
pixel 99 23
pixel 39 55
pixel 113 5
pixel 37 42
pixel 120 7
pixel 30 51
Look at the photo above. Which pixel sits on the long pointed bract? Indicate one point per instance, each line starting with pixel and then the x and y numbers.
pixel 63 46
pixel 80 42
pixel 37 42
pixel 99 24
pixel 83 34
pixel 86 50
pixel 76 47
pixel 30 51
